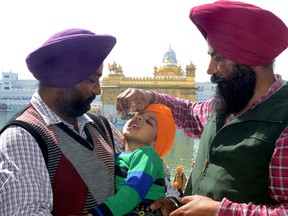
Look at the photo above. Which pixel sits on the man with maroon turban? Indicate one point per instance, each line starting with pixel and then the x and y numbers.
pixel 242 166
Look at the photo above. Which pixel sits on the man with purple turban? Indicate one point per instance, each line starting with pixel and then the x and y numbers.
pixel 241 166
pixel 53 154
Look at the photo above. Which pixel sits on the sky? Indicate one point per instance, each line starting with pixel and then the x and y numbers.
pixel 144 30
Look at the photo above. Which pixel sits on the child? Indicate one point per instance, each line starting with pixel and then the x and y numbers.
pixel 176 186
pixel 140 175
pixel 167 170
pixel 181 179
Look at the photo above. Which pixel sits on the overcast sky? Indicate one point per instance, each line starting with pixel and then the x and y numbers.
pixel 144 30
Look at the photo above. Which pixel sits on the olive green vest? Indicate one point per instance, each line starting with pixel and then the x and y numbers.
pixel 233 159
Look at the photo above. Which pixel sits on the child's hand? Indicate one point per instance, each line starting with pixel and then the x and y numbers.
pixel 167 205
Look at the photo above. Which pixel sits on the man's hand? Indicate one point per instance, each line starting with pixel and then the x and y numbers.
pixel 134 100
pixel 197 206
pixel 167 205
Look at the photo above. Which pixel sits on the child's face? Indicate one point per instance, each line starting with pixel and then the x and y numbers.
pixel 142 128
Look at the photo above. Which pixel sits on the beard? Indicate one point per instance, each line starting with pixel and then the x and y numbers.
pixel 71 102
pixel 233 93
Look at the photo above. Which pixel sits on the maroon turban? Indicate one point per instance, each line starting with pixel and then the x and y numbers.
pixel 69 57
pixel 241 32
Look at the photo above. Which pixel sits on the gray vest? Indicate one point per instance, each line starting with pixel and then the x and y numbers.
pixel 95 173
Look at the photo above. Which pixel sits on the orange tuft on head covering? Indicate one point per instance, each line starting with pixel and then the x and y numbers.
pixel 176 185
pixel 179 169
pixel 241 32
pixel 166 128
pixel 192 164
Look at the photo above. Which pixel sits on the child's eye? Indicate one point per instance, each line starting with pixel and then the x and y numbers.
pixel 148 122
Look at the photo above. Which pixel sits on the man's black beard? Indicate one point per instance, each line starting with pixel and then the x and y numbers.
pixel 70 102
pixel 233 94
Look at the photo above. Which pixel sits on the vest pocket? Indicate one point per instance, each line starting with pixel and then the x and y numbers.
pixel 195 187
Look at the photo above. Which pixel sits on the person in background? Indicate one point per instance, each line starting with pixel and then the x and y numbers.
pixel 176 186
pixel 181 179
pixel 171 191
pixel 58 175
pixel 241 163
pixel 167 170
pixel 192 164
pixel 140 175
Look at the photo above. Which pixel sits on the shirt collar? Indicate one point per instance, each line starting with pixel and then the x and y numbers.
pixel 272 90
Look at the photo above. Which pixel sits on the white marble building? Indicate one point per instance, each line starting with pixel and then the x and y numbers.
pixel 15 94
pixel 204 91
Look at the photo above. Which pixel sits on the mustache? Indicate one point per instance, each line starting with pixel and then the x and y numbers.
pixel 91 98
pixel 217 79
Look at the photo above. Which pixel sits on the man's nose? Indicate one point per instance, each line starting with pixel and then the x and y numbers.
pixel 212 68
pixel 96 89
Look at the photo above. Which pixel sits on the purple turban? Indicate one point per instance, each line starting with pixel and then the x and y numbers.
pixel 241 32
pixel 69 57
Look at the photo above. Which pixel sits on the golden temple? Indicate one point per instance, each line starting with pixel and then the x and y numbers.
pixel 168 78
